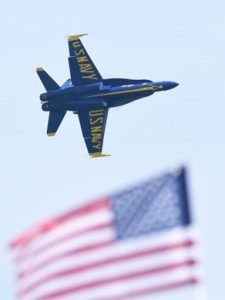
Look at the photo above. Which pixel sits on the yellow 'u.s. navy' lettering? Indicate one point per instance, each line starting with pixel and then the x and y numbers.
pixel 85 66
pixel 81 59
pixel 95 113
pixel 94 121
pixel 96 118
pixel 96 129
pixel 79 53
pixel 76 44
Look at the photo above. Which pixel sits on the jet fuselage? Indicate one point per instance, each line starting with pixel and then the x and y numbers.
pixel 90 96
pixel 105 94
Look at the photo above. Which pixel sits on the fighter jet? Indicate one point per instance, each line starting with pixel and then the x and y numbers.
pixel 90 96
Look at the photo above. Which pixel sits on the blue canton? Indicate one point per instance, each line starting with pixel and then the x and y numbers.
pixel 155 205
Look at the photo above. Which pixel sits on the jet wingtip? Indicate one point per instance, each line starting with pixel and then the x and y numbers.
pixel 51 133
pixel 75 37
pixel 98 154
pixel 39 69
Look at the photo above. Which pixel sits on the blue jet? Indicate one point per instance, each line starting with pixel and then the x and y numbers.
pixel 90 96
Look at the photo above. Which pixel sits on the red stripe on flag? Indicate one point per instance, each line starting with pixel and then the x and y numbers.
pixel 107 261
pixel 48 225
pixel 102 282
pixel 156 289
pixel 65 238
pixel 71 252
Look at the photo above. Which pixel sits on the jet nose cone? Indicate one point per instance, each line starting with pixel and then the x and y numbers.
pixel 170 85
pixel 174 84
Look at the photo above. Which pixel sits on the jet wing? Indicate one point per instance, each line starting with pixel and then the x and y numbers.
pixel 82 69
pixel 92 124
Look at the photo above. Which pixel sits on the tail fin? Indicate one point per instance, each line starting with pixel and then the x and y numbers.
pixel 47 81
pixel 54 121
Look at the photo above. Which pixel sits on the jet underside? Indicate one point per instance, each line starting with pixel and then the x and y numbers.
pixel 90 96
pixel 71 100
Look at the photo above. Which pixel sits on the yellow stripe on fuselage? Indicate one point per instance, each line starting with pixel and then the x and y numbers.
pixel 142 89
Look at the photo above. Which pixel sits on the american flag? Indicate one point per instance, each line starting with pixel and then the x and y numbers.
pixel 130 244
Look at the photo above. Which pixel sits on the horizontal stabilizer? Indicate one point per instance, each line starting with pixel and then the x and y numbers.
pixel 54 121
pixel 48 82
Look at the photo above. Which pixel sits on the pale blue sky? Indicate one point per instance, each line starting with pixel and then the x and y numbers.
pixel 182 41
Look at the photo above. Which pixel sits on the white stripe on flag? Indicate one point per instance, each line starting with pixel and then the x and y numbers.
pixel 112 289
pixel 108 270
pixel 73 226
pixel 81 257
pixel 160 258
